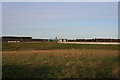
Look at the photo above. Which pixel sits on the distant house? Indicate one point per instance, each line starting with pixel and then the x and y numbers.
pixel 62 40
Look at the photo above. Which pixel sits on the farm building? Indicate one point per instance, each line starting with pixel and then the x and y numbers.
pixel 21 39
pixel 29 39
pixel 95 40
pixel 15 39
pixel 62 40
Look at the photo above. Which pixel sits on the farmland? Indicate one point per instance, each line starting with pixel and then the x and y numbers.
pixel 54 60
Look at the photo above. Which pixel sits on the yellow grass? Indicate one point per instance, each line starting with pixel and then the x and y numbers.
pixel 75 63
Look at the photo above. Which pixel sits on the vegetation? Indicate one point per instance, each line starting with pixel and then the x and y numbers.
pixel 28 60
pixel 53 46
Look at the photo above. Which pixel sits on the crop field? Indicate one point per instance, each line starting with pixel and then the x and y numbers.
pixel 54 60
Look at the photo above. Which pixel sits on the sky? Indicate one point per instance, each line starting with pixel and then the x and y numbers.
pixel 60 0
pixel 69 20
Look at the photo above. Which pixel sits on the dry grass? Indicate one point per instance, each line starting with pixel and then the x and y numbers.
pixel 74 63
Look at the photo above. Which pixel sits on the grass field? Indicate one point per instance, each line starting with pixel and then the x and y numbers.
pixel 53 46
pixel 53 60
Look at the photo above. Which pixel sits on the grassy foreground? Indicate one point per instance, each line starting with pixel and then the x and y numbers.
pixel 68 61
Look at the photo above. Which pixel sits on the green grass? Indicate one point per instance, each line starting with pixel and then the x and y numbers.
pixel 28 60
pixel 53 46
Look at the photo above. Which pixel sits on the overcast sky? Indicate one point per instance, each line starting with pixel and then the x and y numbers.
pixel 61 19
